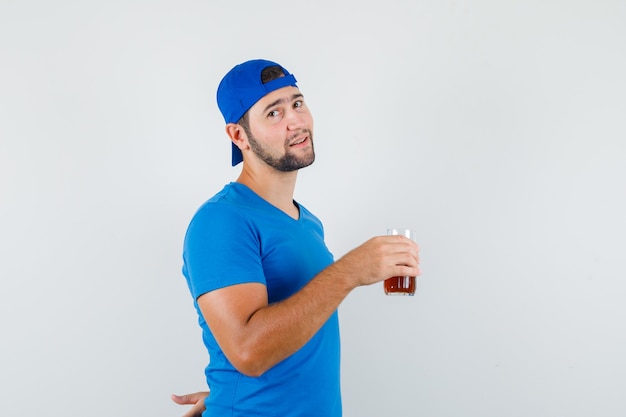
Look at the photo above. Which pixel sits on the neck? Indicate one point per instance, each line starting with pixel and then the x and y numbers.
pixel 275 187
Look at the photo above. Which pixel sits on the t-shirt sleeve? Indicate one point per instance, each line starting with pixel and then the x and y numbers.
pixel 221 248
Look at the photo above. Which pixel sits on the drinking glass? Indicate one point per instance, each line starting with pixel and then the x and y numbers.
pixel 400 285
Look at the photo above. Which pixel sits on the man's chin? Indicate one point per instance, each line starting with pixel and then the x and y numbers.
pixel 294 164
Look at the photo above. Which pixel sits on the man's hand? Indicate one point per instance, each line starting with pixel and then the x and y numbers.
pixel 379 258
pixel 196 399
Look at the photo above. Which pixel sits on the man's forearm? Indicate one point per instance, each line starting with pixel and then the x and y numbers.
pixel 278 330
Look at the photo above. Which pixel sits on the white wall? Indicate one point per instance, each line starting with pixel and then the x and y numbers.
pixel 495 129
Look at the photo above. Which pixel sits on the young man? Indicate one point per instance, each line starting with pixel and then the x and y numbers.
pixel 265 286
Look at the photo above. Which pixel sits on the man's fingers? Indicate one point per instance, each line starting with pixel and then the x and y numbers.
pixel 188 398
pixel 179 399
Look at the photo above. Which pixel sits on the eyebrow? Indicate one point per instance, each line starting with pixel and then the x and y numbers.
pixel 282 100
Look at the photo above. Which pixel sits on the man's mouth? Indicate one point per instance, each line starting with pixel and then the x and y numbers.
pixel 299 141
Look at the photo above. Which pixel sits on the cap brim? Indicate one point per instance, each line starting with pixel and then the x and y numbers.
pixel 237 157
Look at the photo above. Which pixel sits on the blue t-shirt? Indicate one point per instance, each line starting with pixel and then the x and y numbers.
pixel 238 237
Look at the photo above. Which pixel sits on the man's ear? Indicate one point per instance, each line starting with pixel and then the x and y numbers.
pixel 237 135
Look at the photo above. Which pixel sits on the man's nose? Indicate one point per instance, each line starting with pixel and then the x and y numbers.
pixel 295 119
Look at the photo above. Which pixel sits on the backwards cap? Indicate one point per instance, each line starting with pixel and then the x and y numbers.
pixel 242 87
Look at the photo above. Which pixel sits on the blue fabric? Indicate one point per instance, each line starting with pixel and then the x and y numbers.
pixel 237 237
pixel 242 87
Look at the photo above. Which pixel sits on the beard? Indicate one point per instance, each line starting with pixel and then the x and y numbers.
pixel 287 162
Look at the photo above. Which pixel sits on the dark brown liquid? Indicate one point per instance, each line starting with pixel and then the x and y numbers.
pixel 400 285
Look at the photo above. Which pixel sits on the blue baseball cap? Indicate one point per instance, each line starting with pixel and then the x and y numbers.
pixel 242 87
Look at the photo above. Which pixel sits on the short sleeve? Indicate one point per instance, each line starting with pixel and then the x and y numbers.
pixel 221 248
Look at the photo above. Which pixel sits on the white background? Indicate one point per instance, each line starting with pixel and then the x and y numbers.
pixel 496 129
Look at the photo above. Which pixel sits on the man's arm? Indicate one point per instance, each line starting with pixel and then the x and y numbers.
pixel 255 335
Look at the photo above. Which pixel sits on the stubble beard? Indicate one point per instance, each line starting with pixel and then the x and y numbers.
pixel 287 162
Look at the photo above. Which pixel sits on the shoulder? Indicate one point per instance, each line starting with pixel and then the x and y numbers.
pixel 224 213
pixel 231 202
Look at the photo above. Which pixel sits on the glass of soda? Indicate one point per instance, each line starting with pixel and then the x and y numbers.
pixel 400 285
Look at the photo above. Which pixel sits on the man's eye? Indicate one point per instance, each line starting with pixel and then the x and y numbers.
pixel 298 103
pixel 273 113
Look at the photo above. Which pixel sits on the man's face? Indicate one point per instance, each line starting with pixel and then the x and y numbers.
pixel 281 130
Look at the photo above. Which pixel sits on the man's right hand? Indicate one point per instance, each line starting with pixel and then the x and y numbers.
pixel 196 399
pixel 379 258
